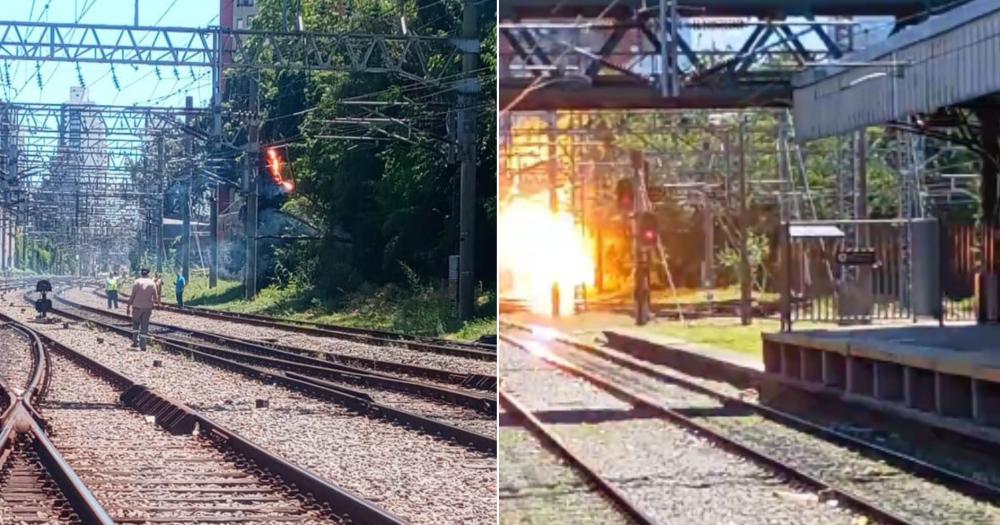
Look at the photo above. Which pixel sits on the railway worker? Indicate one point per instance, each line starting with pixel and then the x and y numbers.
pixel 111 289
pixel 140 306
pixel 179 285
pixel 159 284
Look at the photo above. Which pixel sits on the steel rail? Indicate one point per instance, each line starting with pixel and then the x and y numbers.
pixel 964 484
pixel 22 418
pixel 291 359
pixel 178 418
pixel 855 501
pixel 349 399
pixel 375 337
pixel 547 436
pixel 468 380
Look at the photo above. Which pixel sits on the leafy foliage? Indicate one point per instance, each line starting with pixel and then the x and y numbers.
pixel 372 209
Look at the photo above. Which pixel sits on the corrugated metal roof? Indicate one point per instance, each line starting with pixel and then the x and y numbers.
pixel 949 59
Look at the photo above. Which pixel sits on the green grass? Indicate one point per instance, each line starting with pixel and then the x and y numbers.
pixel 727 334
pixel 693 296
pixel 423 311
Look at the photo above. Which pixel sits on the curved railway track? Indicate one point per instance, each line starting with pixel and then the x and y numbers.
pixel 882 484
pixel 37 485
pixel 424 476
pixel 461 416
pixel 148 459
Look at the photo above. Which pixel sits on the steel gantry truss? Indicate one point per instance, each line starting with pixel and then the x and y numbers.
pixel 412 57
pixel 216 47
pixel 76 178
pixel 627 54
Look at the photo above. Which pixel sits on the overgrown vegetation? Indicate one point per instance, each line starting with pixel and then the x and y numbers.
pixel 365 236
pixel 415 308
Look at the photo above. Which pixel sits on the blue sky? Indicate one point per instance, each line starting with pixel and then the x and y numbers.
pixel 138 85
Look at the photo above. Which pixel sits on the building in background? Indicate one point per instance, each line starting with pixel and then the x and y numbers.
pixel 237 14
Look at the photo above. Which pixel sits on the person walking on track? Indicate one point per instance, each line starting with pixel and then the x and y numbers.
pixel 141 302
pixel 111 289
pixel 179 285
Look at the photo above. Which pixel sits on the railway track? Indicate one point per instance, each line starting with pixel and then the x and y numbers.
pixel 36 483
pixel 466 417
pixel 662 473
pixel 482 351
pixel 147 459
pixel 423 477
pixel 535 474
pixel 883 484
pixel 455 372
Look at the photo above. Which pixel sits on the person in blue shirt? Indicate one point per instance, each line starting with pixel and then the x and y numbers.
pixel 179 288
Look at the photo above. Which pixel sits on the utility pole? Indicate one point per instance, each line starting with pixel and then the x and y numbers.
pixel 186 205
pixel 213 265
pixel 137 13
pixel 552 167
pixel 162 170
pixel 745 294
pixel 641 264
pixel 467 92
pixel 216 139
pixel 251 178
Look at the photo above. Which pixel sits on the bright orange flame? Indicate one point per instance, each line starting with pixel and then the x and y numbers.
pixel 540 249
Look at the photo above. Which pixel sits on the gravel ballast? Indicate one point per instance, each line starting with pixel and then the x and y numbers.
pixel 307 342
pixel 672 475
pixel 418 477
pixel 893 488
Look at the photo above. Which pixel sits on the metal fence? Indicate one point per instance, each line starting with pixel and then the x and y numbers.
pixel 960 261
pixel 848 271
pixel 857 272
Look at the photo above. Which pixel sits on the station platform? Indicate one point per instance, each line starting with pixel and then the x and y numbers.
pixel 942 372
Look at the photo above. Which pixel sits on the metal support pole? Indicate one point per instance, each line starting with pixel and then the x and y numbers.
pixel 161 164
pixel 250 187
pixel 186 204
pixel 708 264
pixel 745 276
pixel 641 263
pixel 670 69
pixel 786 282
pixel 553 175
pixel 784 175
pixel 216 139
pixel 213 265
pixel 467 93
pixel 860 184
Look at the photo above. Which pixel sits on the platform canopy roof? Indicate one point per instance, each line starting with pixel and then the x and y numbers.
pixel 951 59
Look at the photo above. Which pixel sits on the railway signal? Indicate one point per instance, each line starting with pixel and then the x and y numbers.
pixel 625 194
pixel 648 232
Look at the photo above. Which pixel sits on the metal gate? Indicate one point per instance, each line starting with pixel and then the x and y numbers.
pixel 858 271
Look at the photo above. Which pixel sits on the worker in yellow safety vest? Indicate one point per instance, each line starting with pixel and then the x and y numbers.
pixel 111 289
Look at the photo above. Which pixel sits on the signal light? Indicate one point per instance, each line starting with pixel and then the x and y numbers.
pixel 649 231
pixel 625 193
